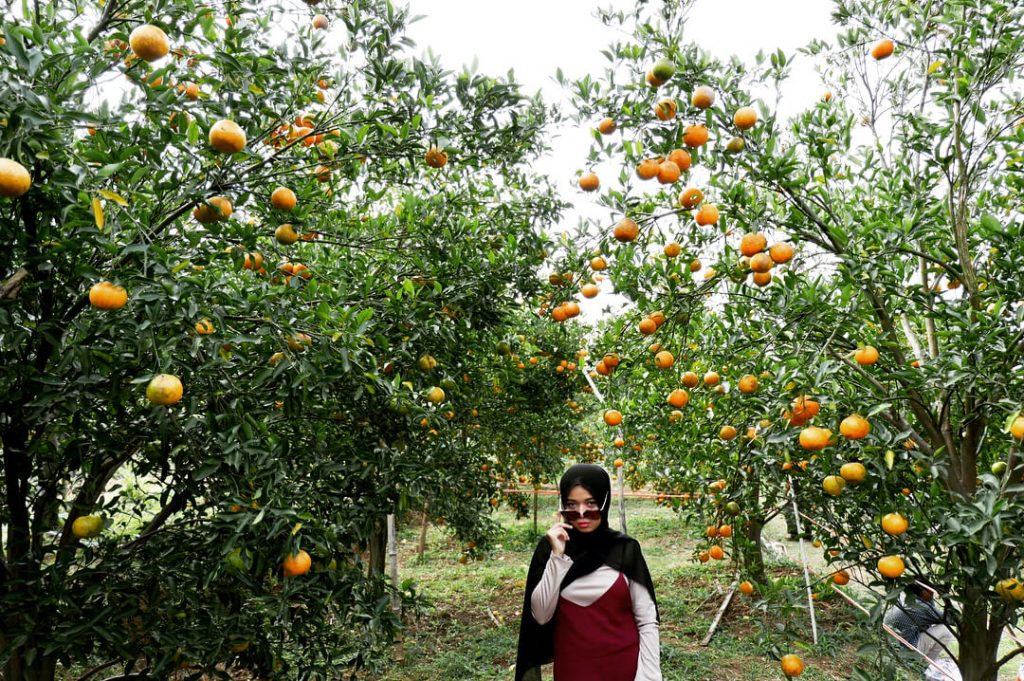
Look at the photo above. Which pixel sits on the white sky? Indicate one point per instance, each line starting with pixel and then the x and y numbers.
pixel 535 37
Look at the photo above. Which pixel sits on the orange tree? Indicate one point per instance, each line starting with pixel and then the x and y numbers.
pixel 899 189
pixel 281 224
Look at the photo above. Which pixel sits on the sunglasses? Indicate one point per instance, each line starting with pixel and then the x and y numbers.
pixel 595 514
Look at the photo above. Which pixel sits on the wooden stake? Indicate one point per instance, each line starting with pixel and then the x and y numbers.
pixel 393 560
pixel 722 609
pixel 622 500
pixel 803 559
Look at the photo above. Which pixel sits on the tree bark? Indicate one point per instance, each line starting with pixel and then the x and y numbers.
pixel 979 637
pixel 378 548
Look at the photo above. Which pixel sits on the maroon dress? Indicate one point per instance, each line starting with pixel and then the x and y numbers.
pixel 599 642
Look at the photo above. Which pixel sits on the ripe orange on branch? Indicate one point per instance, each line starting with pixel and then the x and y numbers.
pixel 283 198
pixel 855 427
pixel 665 109
pixel 164 389
pixel 691 197
pixel 745 118
pixel 894 524
pixel 781 252
pixel 703 97
pixel 227 137
pixel 814 438
pixel 753 243
pixel 606 126
pixel 14 179
pixel 437 158
pixel 589 182
pixel 149 42
pixel 748 384
pixel 103 295
pixel 883 49
pixel 866 355
pixel 626 230
pixel 707 215
pixel 695 135
pixel 891 566
pixel 792 665
pixel 678 398
pixel 664 359
pixel 612 417
pixel 297 564
pixel 682 158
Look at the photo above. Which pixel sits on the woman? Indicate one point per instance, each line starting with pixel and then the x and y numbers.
pixel 589 601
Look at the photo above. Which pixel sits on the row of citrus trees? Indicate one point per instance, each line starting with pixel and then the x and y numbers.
pixel 878 368
pixel 259 292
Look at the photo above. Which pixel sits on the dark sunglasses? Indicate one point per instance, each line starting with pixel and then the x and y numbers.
pixel 573 516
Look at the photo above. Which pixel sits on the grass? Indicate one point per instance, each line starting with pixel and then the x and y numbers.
pixel 470 631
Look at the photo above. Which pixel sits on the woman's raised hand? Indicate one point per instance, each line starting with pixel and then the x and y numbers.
pixel 558 535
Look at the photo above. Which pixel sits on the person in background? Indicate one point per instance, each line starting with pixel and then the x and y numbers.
pixel 589 604
pixel 922 624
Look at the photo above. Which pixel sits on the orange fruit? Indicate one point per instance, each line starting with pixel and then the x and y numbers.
pixel 746 588
pixel 612 417
pixel 695 265
pixel 691 197
pixel 648 326
pixel 598 264
pixel 322 173
pixel 297 564
pixel 712 531
pixel 891 566
pixel 1017 428
pixel 678 398
pixel 748 384
pixel 707 215
pixel 716 552
pixel 14 178
pixel 664 359
pixel 752 244
pixel 762 278
pixel 227 137
pixel 712 378
pixel 805 408
pixel 682 158
pixel 668 172
pixel 833 485
pixel 866 355
pixel 648 168
pixel 727 432
pixel 882 49
pixel 286 235
pixel 589 182
pixel 653 80
pixel 204 327
pixel 606 126
pixel 704 556
pixel 149 42
pixel 814 438
pixel 320 21
pixel 695 135
pixel 104 295
pixel 611 359
pixel 703 97
pixel 189 89
pixel 690 379
pixel 589 290
pixel 781 252
pixel 745 118
pixel 214 209
pixel 725 531
pixel 761 262
pixel 658 317
pixel 435 157
pixel 164 389
pixel 853 472
pixel 618 463
pixel 619 442
pixel 894 524
pixel 792 665
pixel 841 577
pixel 672 250
pixel 626 230
pixel 855 427
pixel 665 109
pixel 283 198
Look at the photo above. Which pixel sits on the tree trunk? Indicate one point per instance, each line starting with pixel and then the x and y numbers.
pixel 378 548
pixel 979 637
pixel 753 557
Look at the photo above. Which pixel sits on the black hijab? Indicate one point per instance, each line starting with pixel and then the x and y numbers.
pixel 588 551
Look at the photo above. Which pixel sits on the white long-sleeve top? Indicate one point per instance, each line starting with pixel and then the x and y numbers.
pixel 585 591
